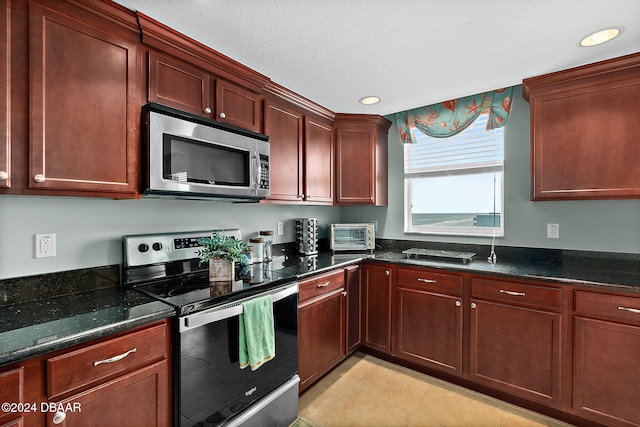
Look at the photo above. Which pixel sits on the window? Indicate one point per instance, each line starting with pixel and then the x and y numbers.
pixel 455 185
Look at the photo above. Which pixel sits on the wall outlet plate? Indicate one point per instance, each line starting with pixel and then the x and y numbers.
pixel 45 245
pixel 553 231
pixel 280 227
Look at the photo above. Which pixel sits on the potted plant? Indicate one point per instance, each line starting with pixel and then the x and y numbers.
pixel 221 251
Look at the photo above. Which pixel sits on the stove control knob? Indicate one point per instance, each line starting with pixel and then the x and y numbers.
pixel 143 247
pixel 157 246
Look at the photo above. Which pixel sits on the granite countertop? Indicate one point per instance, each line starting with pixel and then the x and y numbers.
pixel 45 322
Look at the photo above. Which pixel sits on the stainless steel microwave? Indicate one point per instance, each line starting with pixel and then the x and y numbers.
pixel 192 157
pixel 352 237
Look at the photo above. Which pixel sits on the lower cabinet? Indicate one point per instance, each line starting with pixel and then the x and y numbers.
pixel 353 285
pixel 321 326
pixel 515 339
pixel 121 381
pixel 606 349
pixel 428 319
pixel 376 290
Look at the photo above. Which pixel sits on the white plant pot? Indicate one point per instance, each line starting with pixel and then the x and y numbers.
pixel 221 270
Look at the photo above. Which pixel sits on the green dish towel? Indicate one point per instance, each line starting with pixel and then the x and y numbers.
pixel 257 333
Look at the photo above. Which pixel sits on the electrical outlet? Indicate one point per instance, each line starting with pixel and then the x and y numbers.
pixel 280 228
pixel 45 245
pixel 553 231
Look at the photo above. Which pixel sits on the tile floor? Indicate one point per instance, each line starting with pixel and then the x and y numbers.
pixel 366 391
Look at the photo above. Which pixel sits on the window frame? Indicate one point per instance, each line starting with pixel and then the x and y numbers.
pixel 409 227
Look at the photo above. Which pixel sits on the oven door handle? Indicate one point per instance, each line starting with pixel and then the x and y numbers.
pixel 232 309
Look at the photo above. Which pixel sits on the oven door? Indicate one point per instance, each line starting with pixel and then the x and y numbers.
pixel 210 388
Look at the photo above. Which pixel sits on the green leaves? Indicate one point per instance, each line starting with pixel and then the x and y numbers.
pixel 221 246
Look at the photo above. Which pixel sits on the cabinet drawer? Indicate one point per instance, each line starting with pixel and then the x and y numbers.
pixel 12 386
pixel 425 279
pixel 106 359
pixel 615 307
pixel 321 284
pixel 517 293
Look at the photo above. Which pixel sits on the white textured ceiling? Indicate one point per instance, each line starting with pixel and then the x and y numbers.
pixel 410 53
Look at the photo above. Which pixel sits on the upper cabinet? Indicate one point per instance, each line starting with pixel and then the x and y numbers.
pixel 584 131
pixel 5 100
pixel 84 109
pixel 301 153
pixel 361 159
pixel 188 88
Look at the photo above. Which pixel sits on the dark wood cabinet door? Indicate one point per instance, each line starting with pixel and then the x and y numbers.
pixel 84 105
pixel 321 341
pixel 5 99
pixel 139 398
pixel 179 85
pixel 606 372
pixel 284 125
pixel 318 161
pixel 429 329
pixel 237 106
pixel 516 349
pixel 584 135
pixel 353 286
pixel 376 306
pixel 355 166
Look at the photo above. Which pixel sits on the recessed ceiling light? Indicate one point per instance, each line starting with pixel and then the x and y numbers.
pixel 600 37
pixel 369 100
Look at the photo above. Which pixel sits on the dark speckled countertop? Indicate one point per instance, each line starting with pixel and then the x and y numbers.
pixel 45 313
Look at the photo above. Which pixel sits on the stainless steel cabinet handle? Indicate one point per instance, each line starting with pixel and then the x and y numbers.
pixel 59 417
pixel 473 305
pixel 420 279
pixel 39 178
pixel 207 110
pixel 632 310
pixel 222 115
pixel 512 293
pixel 324 285
pixel 115 358
pixel 458 303
pixel 3 175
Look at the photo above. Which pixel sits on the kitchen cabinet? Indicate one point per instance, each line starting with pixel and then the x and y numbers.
pixel 377 307
pixel 301 162
pixel 186 87
pixel 584 131
pixel 428 319
pixel 353 286
pixel 515 338
pixel 98 383
pixel 5 99
pixel 361 159
pixel 321 325
pixel 606 331
pixel 84 103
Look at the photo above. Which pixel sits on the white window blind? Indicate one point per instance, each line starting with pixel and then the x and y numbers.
pixel 473 150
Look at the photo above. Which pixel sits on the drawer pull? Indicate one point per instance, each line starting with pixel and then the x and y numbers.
pixel 512 293
pixel 324 285
pixel 632 310
pixel 115 358
pixel 420 279
pixel 458 303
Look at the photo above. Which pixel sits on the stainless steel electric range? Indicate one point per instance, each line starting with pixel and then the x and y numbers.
pixel 210 389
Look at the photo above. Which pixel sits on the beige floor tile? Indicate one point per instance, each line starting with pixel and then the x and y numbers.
pixel 518 417
pixel 453 409
pixel 418 420
pixel 513 420
pixel 394 385
pixel 317 399
pixel 354 368
pixel 358 408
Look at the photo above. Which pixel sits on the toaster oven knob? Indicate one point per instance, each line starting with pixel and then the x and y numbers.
pixel 143 247
pixel 207 110
pixel 157 246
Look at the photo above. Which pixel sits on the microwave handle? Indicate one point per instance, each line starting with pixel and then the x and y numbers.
pixel 258 169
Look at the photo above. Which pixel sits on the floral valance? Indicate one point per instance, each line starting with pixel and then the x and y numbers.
pixel 451 117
